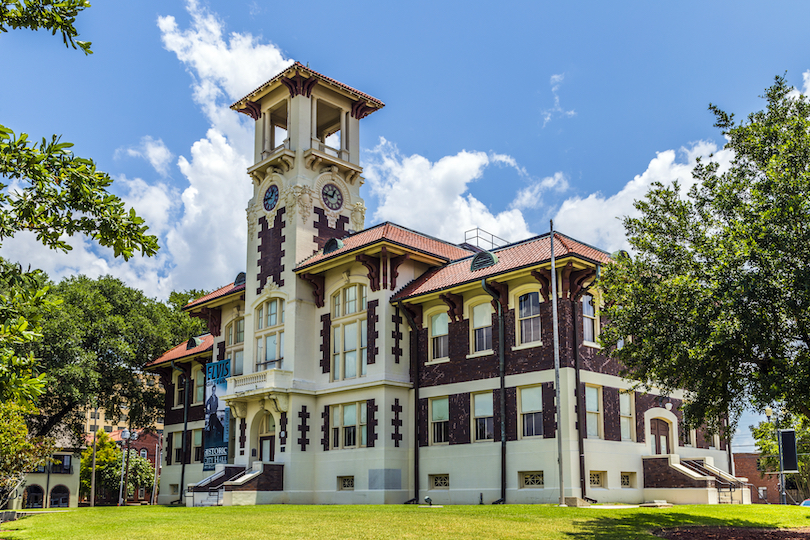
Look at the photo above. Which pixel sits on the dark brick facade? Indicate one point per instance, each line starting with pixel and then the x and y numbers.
pixel 549 415
pixel 371 423
pixel 271 240
pixel 303 428
pixel 396 422
pixel 658 474
pixel 459 405
pixel 271 479
pixel 371 331
pixel 422 435
pixel 325 232
pixel 326 343
pixel 396 333
pixel 511 414
pixel 747 466
pixel 282 439
pixel 612 417
pixel 325 428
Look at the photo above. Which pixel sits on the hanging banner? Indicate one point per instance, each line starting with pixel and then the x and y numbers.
pixel 217 414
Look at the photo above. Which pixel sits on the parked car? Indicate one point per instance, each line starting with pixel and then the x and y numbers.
pixel 805 502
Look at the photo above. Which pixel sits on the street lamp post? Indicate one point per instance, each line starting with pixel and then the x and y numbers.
pixel 129 436
pixel 782 495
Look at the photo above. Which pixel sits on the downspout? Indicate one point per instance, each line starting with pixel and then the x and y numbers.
pixel 185 429
pixel 581 420
pixel 415 363
pixel 501 366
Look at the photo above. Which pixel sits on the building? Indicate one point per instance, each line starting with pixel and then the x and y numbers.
pixel 147 446
pixel 764 485
pixel 382 365
pixel 53 485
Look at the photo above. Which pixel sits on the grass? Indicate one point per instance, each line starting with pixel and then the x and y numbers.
pixel 394 521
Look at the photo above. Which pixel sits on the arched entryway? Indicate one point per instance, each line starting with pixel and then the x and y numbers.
pixel 60 497
pixel 267 438
pixel 33 496
pixel 659 431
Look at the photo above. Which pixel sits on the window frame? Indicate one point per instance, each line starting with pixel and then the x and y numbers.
pixel 197 375
pixel 487 329
pixel 520 342
pixel 429 317
pixel 630 416
pixel 488 421
pixel 265 330
pixel 533 412
pixel 439 481
pixel 595 414
pixel 523 475
pixel 179 391
pixel 197 449
pixel 445 430
pixel 341 320
pixel 592 319
pixel 233 347
pixel 338 430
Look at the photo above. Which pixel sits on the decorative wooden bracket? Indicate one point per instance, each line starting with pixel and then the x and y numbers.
pixel 415 312
pixel 298 85
pixel 384 264
pixel 372 264
pixel 361 109
pixel 544 277
pixel 503 294
pixel 578 280
pixel 396 262
pixel 317 282
pixel 566 278
pixel 252 109
pixel 455 305
pixel 213 317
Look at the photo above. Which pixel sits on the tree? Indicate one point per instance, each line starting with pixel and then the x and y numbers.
pixel 716 297
pixel 19 452
pixel 108 469
pixel 94 348
pixel 768 448
pixel 49 191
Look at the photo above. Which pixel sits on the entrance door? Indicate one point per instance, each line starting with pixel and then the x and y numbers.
pixel 267 447
pixel 660 434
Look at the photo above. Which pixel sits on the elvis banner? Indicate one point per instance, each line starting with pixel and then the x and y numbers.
pixel 217 415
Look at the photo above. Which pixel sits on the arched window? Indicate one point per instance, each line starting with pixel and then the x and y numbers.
pixel 349 332
pixel 267 437
pixel 143 453
pixel 180 390
pixel 235 344
pixel 33 496
pixel 199 385
pixel 589 326
pixel 439 336
pixel 60 497
pixel 482 327
pixel 529 318
pixel 270 334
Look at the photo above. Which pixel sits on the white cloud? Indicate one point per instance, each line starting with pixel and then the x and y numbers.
pixel 531 195
pixel 556 110
pixel 596 219
pixel 153 151
pixel 433 197
pixel 805 86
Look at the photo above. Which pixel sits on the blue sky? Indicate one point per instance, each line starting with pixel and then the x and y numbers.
pixel 510 113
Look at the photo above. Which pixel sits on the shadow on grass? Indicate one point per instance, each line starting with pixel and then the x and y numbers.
pixel 641 525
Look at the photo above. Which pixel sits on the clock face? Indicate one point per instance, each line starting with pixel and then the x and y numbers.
pixel 332 197
pixel 271 197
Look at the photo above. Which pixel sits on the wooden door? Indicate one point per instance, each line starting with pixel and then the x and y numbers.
pixel 267 447
pixel 659 429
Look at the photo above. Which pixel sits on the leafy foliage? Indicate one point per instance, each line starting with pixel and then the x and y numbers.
pixel 108 469
pixel 717 295
pixel 768 448
pixel 54 16
pixel 19 452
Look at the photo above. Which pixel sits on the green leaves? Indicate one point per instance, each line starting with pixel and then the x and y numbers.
pixel 717 295
pixel 47 15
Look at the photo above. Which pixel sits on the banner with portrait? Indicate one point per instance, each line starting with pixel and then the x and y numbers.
pixel 217 415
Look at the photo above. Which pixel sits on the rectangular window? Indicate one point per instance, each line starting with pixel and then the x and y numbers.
pixel 439 421
pixel 178 447
pixel 439 334
pixel 345 483
pixel 763 493
pixel 270 351
pixel 260 318
pixel 240 331
pixel 238 363
pixel 529 317
pixel 199 387
pixel 483 418
pixel 439 481
pixel 349 428
pixel 588 318
pixel 349 344
pixel 181 391
pixel 175 489
pixel 628 480
pixel 198 445
pixel 108 429
pixel 531 479
pixel 482 327
pixel 531 409
pixel 626 413
pixel 594 417
pixel 597 479
pixel 272 313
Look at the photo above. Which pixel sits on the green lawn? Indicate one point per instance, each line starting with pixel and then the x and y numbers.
pixel 400 521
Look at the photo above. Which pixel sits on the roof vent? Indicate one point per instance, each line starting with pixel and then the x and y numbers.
pixel 239 280
pixel 193 342
pixel 333 244
pixel 483 260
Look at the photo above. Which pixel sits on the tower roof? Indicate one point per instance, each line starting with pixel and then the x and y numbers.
pixel 299 70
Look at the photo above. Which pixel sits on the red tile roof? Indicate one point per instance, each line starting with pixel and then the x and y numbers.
pixel 222 291
pixel 394 234
pixel 301 67
pixel 181 351
pixel 512 257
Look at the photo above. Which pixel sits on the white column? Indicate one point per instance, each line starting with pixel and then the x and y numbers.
pixel 343 125
pixel 314 129
pixel 267 144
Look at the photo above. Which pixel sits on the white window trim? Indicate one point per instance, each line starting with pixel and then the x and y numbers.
pixel 600 403
pixel 596 326
pixel 427 316
pixel 521 412
pixel 360 317
pixel 431 442
pixel 358 436
pixel 469 306
pixel 194 371
pixel 233 348
pixel 265 331
pixel 515 299
pixel 474 431
pixel 176 397
pixel 632 415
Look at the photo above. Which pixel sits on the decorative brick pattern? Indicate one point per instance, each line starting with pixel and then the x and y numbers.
pixel 271 479
pixel 270 252
pixel 549 415
pixel 702 438
pixel 220 351
pixel 282 440
pixel 195 412
pixel 326 342
pixel 371 331
pixel 658 474
pixel 169 449
pixel 325 428
pixel 396 422
pixel 303 428
pixel 242 436
pixel 422 434
pixel 371 423
pixel 611 416
pixel 396 334
pixel 325 232
pixel 746 466
pixel 459 405
pixel 511 413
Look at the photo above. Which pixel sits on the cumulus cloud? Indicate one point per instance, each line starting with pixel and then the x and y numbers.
pixel 433 197
pixel 531 196
pixel 596 218
pixel 805 86
pixel 152 150
pixel 556 111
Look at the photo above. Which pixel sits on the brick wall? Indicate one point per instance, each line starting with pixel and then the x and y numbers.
pixel 745 465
